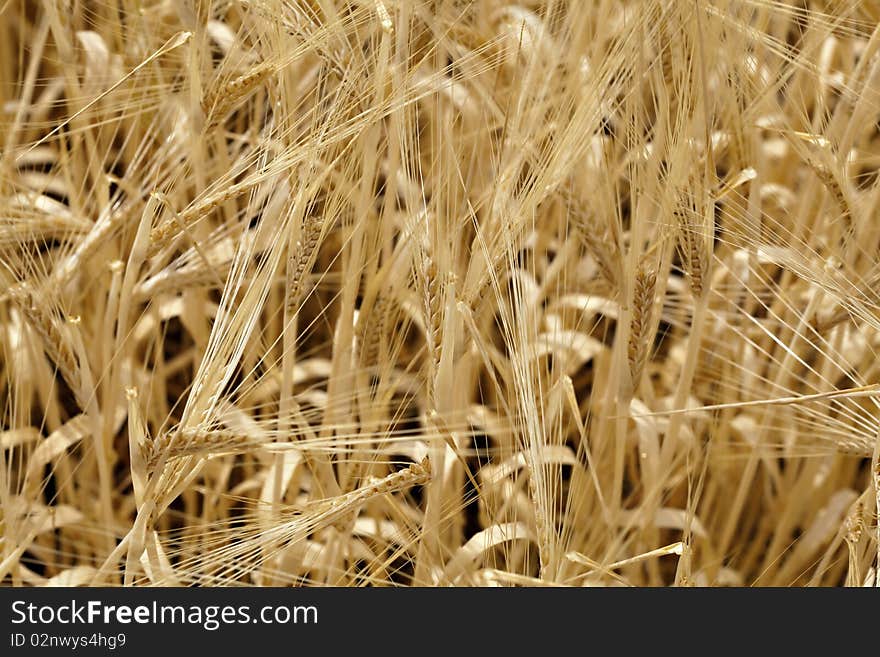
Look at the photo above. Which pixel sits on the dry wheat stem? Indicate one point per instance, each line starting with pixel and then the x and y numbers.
pixel 610 267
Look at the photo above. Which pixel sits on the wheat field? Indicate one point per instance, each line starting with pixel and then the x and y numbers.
pixel 439 292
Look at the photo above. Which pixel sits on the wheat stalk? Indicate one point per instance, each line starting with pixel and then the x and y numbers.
pixel 610 266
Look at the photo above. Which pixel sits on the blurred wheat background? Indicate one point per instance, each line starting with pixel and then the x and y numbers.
pixel 439 292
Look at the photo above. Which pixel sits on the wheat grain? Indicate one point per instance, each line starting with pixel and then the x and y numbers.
pixel 643 305
pixel 223 97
